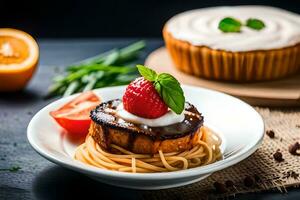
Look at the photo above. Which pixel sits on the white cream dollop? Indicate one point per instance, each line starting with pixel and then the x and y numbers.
pixel 200 28
pixel 167 119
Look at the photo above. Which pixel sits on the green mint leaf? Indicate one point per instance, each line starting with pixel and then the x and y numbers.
pixel 171 92
pixel 167 87
pixel 229 24
pixel 255 24
pixel 147 73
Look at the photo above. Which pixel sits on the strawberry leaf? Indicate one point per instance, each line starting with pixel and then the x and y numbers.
pixel 167 87
pixel 157 86
pixel 147 73
pixel 171 92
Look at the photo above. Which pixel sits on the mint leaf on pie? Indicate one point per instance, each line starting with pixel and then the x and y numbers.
pixel 229 24
pixel 167 87
pixel 255 24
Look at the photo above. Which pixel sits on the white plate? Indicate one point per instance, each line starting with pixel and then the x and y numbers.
pixel 238 124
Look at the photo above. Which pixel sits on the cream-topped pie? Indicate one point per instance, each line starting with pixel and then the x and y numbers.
pixel 238 43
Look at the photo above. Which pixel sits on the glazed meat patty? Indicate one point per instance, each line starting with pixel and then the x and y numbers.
pixel 107 128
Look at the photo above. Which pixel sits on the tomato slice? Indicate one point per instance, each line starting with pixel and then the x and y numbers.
pixel 75 115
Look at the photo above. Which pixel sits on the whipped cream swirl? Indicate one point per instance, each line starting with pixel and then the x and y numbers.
pixel 167 119
pixel 200 28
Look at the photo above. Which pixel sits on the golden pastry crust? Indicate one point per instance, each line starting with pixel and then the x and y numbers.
pixel 223 65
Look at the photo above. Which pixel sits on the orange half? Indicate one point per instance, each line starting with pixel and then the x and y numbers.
pixel 19 55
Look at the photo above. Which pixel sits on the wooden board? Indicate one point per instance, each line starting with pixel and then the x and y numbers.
pixel 285 92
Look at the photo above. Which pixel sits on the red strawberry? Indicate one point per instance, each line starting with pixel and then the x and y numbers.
pixel 142 99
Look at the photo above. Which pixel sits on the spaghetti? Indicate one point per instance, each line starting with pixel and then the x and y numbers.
pixel 205 151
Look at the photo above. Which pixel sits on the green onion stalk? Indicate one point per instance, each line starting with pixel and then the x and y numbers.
pixel 112 68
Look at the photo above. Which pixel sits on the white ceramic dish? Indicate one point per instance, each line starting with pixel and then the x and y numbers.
pixel 238 124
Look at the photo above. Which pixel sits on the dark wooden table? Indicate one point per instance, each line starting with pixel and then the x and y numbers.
pixel 39 178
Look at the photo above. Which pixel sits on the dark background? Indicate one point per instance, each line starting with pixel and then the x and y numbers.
pixel 109 18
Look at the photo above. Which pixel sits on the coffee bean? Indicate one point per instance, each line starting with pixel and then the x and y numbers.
pixel 294 148
pixel 270 133
pixel 278 156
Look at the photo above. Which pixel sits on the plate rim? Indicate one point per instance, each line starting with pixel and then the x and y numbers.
pixel 197 171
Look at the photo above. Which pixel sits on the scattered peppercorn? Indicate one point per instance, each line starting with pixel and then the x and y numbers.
pixel 229 184
pixel 249 181
pixel 270 133
pixel 293 149
pixel 220 187
pixel 278 156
